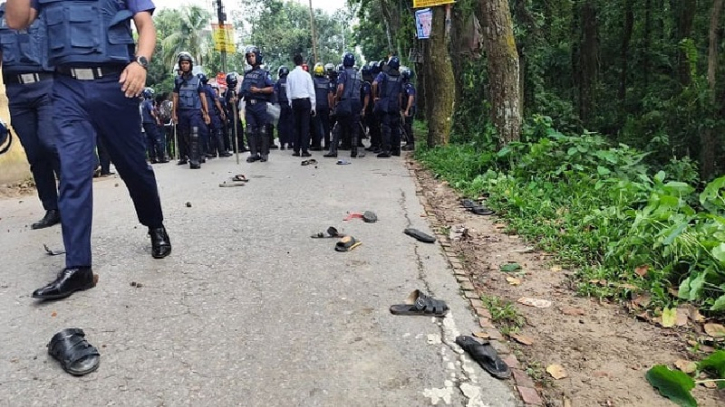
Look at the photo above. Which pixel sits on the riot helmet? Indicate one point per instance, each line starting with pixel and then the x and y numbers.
pixel 148 93
pixel 283 71
pixel 348 60
pixel 253 49
pixel 394 62
pixel 232 80
pixel 185 57
pixel 202 77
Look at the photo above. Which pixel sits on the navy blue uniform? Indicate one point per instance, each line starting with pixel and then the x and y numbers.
pixel 28 84
pixel 89 55
pixel 188 88
pixel 390 86
pixel 348 110
pixel 255 111
pixel 155 140
pixel 321 121
pixel 284 125
pixel 409 90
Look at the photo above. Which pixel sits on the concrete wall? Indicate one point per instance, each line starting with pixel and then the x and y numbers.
pixel 13 164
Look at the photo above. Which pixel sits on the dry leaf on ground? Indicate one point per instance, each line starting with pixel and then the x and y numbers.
pixel 715 330
pixel 695 315
pixel 555 268
pixel 482 335
pixel 534 302
pixel 513 280
pixel 710 385
pixel 572 311
pixel 556 371
pixel 682 315
pixel 669 316
pixel 523 339
pixel 641 270
pixel 642 300
pixel 686 366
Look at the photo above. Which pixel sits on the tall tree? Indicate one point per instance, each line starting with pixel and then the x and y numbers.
pixel 440 86
pixel 708 142
pixel 190 35
pixel 503 69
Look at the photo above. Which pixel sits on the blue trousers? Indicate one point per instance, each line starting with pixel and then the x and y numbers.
pixel 189 118
pixel 285 123
pixel 31 116
pixel 155 143
pixel 82 110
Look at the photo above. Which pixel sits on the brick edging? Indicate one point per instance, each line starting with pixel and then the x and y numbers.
pixel 523 383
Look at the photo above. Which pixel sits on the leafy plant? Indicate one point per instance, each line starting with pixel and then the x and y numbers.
pixel 504 314
pixel 676 385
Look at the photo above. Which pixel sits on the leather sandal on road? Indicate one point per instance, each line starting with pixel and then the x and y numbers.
pixel 74 353
pixel 331 232
pixel 423 237
pixel 346 244
pixel 485 355
pixel 418 303
pixel 240 178
pixel 369 217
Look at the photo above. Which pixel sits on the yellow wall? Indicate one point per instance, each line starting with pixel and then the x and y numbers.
pixel 13 164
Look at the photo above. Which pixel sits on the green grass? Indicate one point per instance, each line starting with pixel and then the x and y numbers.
pixel 503 314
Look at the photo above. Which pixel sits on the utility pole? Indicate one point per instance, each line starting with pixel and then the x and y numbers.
pixel 314 35
pixel 222 16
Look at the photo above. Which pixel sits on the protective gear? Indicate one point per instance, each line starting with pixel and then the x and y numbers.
pixel 247 68
pixel 252 49
pixel 322 90
pixel 253 145
pixel 185 56
pixel 348 60
pixel 390 89
pixel 5 138
pixel 374 68
pixel 340 68
pixel 195 149
pixel 365 71
pixel 254 78
pixel 394 63
pixel 281 90
pixel 148 93
pixel 232 80
pixel 88 32
pixel 319 70
pixel 202 77
pixel 350 100
pixel 329 68
pixel 263 143
pixel 189 93
pixel 283 71
pixel 406 73
pixel 24 51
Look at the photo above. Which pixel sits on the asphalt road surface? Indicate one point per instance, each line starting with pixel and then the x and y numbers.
pixel 248 310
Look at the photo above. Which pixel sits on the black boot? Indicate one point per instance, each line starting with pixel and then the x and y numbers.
pixel 160 243
pixel 66 283
pixel 220 145
pixel 264 140
pixel 194 150
pixel 52 217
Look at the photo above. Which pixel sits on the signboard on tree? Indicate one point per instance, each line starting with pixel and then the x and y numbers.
pixel 223 36
pixel 423 23
pixel 431 3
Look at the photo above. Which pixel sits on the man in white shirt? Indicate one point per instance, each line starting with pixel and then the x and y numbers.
pixel 301 97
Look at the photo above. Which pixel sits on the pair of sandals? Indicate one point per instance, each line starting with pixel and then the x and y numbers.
pixel 476 208
pixel 345 244
pixel 311 161
pixel 238 180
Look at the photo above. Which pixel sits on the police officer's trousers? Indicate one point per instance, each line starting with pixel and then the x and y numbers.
pixel 82 109
pixel 321 125
pixel 391 132
pixel 348 129
pixel 189 118
pixel 284 125
pixel 255 116
pixel 31 117
pixel 155 143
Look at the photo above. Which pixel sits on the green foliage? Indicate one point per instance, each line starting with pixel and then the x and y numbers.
pixel 672 384
pixel 602 208
pixel 504 314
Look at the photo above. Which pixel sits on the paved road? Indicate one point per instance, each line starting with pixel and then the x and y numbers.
pixel 247 310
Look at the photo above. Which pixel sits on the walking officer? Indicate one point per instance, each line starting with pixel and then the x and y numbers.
pixel 28 83
pixel 323 100
pixel 217 116
pixel 257 88
pixel 373 118
pixel 409 108
pixel 284 125
pixel 388 88
pixel 190 109
pixel 348 106
pixel 97 83
pixel 155 140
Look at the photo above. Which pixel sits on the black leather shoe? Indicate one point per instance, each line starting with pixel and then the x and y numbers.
pixel 330 155
pixel 160 243
pixel 315 148
pixel 305 154
pixel 225 154
pixel 384 154
pixel 68 281
pixel 183 161
pixel 296 154
pixel 52 217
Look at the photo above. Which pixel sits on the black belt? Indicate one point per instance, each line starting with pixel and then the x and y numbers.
pixel 25 78
pixel 89 74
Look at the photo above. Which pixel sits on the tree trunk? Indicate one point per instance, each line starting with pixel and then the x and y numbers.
pixel 685 16
pixel 708 142
pixel 588 60
pixel 624 51
pixel 440 86
pixel 646 43
pixel 503 69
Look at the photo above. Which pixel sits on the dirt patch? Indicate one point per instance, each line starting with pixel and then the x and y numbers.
pixel 17 189
pixel 604 350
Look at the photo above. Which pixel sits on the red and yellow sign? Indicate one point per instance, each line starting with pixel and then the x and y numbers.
pixel 221 79
pixel 431 3
pixel 223 36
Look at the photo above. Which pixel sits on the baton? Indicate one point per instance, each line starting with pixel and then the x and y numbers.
pixel 176 142
pixel 236 119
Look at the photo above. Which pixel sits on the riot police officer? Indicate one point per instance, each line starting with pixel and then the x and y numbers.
pixel 373 116
pixel 323 100
pixel 155 140
pixel 216 116
pixel 257 88
pixel 96 87
pixel 387 89
pixel 409 108
pixel 347 106
pixel 28 84
pixel 284 125
pixel 190 109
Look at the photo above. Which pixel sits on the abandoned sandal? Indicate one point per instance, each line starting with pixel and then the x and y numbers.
pixel 331 232
pixel 346 244
pixel 423 237
pixel 74 353
pixel 418 303
pixel 485 355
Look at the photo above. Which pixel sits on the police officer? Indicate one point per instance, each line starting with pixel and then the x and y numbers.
pixel 284 125
pixel 97 82
pixel 232 102
pixel 387 88
pixel 28 83
pixel 409 108
pixel 257 88
pixel 323 100
pixel 373 116
pixel 190 109
pixel 347 106
pixel 217 115
pixel 155 140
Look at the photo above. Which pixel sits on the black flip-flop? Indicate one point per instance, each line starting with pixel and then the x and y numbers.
pixel 423 237
pixel 311 161
pixel 485 355
pixel 480 210
pixel 74 353
pixel 240 178
pixel 468 203
pixel 369 217
pixel 346 244
pixel 418 303
pixel 331 232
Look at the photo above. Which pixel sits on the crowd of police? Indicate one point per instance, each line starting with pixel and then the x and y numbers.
pixel 202 120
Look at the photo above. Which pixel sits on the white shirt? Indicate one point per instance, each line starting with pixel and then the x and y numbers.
pixel 300 86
